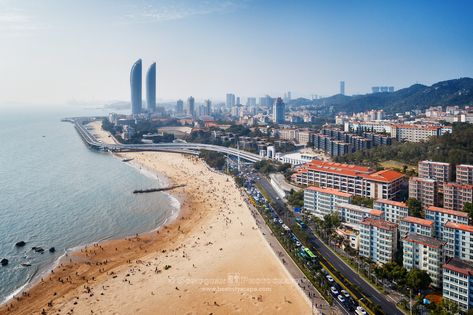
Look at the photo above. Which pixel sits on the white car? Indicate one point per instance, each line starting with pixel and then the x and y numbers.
pixel 298 243
pixel 345 293
pixel 329 278
pixel 280 221
pixel 334 290
pixel 341 298
pixel 360 310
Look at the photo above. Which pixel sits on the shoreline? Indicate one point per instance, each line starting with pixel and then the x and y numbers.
pixel 170 266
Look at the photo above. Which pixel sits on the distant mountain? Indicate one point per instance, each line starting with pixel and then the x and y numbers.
pixel 417 96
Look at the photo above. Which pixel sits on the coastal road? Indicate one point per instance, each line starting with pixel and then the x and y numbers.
pixel 319 304
pixel 373 294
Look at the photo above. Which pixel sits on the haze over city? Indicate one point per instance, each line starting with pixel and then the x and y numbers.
pixel 55 52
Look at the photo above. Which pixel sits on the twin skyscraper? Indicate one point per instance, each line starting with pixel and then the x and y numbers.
pixel 136 88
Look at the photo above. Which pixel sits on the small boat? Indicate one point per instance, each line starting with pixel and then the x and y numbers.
pixel 26 264
pixel 127 160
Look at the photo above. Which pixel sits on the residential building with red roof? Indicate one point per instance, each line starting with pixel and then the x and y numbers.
pixel 353 179
pixel 459 238
pixel 419 226
pixel 394 211
pixel 441 215
pixel 458 282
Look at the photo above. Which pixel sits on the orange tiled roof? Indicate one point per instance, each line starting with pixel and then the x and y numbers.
pixel 392 202
pixel 459 226
pixel 376 212
pixel 329 191
pixel 386 176
pixel 448 211
pixel 419 221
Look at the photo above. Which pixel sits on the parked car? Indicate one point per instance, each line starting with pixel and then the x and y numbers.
pixel 345 293
pixel 334 290
pixel 341 298
pixel 329 278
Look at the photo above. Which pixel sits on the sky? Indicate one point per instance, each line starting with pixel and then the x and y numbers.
pixel 69 51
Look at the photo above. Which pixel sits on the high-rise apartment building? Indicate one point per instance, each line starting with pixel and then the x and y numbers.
pixel 393 210
pixel 135 86
pixel 180 106
pixel 208 107
pixel 456 195
pixel 459 238
pixel 440 216
pixel 322 201
pixel 441 172
pixel 416 225
pixel 465 174
pixel 378 240
pixel 458 283
pixel 151 88
pixel 424 190
pixel 230 102
pixel 191 106
pixel 342 87
pixel 424 253
pixel 279 111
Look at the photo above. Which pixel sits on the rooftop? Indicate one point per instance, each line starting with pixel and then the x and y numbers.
pixel 424 240
pixel 464 166
pixel 459 226
pixel 329 191
pixel 448 211
pixel 433 162
pixel 385 176
pixel 420 179
pixel 381 224
pixel 456 185
pixel 461 266
pixel 392 203
pixel 423 127
pixel 419 221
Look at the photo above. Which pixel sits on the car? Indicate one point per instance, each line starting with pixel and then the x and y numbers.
pixel 341 298
pixel 329 278
pixel 280 221
pixel 334 290
pixel 298 243
pixel 345 293
pixel 360 310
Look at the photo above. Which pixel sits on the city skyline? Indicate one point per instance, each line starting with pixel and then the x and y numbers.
pixel 195 41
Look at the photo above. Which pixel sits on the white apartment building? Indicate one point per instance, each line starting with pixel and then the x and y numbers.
pixel 352 215
pixel 441 172
pixel 465 174
pixel 424 190
pixel 353 179
pixel 295 158
pixel 458 282
pixel 440 216
pixel 322 201
pixel 459 238
pixel 419 226
pixel 378 240
pixel 393 210
pixel 424 253
pixel 415 133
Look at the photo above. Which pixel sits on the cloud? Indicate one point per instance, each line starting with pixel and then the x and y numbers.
pixel 181 9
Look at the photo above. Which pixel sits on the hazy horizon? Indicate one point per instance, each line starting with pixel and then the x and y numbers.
pixel 58 52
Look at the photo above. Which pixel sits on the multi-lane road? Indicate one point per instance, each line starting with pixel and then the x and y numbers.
pixel 375 296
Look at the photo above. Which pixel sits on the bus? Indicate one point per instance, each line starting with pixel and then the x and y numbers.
pixel 309 252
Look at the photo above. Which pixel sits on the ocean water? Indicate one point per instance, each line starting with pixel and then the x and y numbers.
pixel 55 192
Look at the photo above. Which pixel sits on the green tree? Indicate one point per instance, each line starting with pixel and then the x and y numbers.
pixel 415 207
pixel 362 201
pixel 296 198
pixel 468 207
pixel 418 279
pixel 331 221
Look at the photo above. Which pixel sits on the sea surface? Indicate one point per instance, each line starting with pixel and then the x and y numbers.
pixel 55 192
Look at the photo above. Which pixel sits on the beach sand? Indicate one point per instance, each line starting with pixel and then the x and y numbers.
pixel 211 260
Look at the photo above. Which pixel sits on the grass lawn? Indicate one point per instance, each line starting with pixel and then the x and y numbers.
pixel 397 164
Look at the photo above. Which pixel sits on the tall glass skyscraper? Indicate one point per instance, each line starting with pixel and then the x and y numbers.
pixel 135 86
pixel 151 88
pixel 278 111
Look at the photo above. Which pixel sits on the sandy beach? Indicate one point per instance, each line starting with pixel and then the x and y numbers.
pixel 212 259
